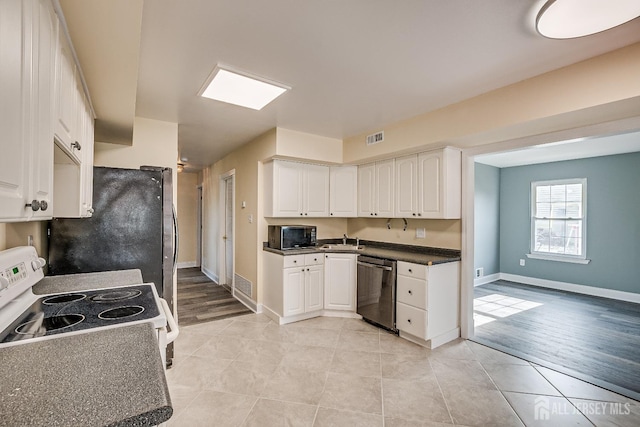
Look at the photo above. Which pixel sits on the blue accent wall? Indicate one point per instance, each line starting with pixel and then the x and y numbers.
pixel 613 222
pixel 487 219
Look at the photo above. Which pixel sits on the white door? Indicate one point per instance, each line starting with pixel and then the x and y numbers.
pixel 228 238
pixel 406 186
pixel 316 190
pixel 429 184
pixel 14 161
pixel 314 288
pixel 293 291
pixel 366 189
pixel 385 177
pixel 340 282
pixel 343 191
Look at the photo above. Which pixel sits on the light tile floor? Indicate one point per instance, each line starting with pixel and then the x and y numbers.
pixel 248 371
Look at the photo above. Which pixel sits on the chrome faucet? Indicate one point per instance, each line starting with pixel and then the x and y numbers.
pixel 344 239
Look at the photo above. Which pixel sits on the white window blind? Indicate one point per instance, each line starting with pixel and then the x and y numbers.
pixel 558 220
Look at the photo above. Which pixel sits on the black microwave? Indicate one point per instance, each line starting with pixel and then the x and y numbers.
pixel 285 237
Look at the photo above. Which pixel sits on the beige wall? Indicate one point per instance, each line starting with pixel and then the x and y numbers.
pixel 293 144
pixel 245 162
pixel 601 89
pixel 187 208
pixel 3 236
pixel 440 233
pixel 155 143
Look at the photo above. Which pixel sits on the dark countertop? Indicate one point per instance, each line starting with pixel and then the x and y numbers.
pixel 415 254
pixel 87 281
pixel 112 377
pixel 104 378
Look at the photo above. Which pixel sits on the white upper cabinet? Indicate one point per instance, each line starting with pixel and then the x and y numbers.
pixel 343 191
pixel 439 184
pixel 296 189
pixel 376 189
pixel 406 191
pixel 67 97
pixel 28 40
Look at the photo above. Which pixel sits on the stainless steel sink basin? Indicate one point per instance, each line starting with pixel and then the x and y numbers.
pixel 341 247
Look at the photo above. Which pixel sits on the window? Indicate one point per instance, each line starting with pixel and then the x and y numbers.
pixel 558 220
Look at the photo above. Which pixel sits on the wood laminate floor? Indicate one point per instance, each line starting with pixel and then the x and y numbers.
pixel 202 300
pixel 591 338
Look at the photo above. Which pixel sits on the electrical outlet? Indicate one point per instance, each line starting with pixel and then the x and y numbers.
pixel 250 217
pixel 479 272
pixel 521 263
pixel 421 233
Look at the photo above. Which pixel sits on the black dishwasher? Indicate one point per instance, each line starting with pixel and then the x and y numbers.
pixel 377 291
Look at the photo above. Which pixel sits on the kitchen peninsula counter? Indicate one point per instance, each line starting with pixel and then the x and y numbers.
pixel 408 253
pixel 113 377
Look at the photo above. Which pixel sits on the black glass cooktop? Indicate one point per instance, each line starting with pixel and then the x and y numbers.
pixel 78 311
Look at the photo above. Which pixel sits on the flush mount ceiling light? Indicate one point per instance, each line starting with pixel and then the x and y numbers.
pixel 239 88
pixel 566 19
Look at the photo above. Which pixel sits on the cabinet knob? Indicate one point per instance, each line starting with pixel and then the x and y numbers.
pixel 410 292
pixel 414 214
pixel 306 213
pixel 90 210
pixel 409 320
pixel 44 205
pixel 315 259
pixel 34 205
pixel 76 145
pixel 307 269
pixel 371 214
pixel 295 261
pixel 331 214
pixel 375 214
pixel 410 271
pixel 419 214
pixel 300 213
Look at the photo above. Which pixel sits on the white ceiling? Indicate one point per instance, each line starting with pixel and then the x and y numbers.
pixel 353 66
pixel 581 148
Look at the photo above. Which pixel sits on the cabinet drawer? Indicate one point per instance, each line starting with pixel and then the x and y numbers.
pixel 293 261
pixel 408 269
pixel 412 291
pixel 314 259
pixel 411 320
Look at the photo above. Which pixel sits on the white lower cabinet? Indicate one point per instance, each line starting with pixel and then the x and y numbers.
pixel 427 302
pixel 294 285
pixel 340 282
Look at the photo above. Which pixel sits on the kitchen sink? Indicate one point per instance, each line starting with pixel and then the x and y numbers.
pixel 341 247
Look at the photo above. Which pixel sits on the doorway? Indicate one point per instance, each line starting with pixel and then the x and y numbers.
pixel 228 229
pixel 506 301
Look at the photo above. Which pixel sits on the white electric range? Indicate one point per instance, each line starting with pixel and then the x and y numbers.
pixel 26 317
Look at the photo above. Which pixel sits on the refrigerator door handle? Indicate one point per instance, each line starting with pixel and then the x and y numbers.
pixel 175 238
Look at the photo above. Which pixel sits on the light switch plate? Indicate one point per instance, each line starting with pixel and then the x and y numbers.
pixel 421 233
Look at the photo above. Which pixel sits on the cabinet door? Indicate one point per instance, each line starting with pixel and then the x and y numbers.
pixel 315 190
pixel 385 177
pixel 287 187
pixel 14 161
pixel 366 189
pixel 314 288
pixel 293 291
pixel 406 191
pixel 86 168
pixel 430 185
pixel 340 282
pixel 66 94
pixel 343 191
pixel 45 32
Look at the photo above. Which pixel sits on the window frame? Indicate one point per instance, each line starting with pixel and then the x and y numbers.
pixel 580 259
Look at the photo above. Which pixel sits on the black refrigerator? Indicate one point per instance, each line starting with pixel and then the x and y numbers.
pixel 133 226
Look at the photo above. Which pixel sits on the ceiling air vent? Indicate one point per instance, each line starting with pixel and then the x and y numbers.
pixel 375 138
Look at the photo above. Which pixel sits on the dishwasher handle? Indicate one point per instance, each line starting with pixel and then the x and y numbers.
pixel 366 264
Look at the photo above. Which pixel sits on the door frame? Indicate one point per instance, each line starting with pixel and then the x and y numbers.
pixel 468 195
pixel 199 216
pixel 221 246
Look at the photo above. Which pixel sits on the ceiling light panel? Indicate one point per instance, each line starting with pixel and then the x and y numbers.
pixel 241 89
pixel 565 19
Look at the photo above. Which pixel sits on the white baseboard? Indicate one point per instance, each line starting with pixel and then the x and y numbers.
pixel 187 264
pixel 572 287
pixel 248 302
pixel 486 279
pixel 210 274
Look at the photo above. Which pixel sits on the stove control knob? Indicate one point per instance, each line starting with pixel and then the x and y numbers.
pixel 38 264
pixel 4 283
